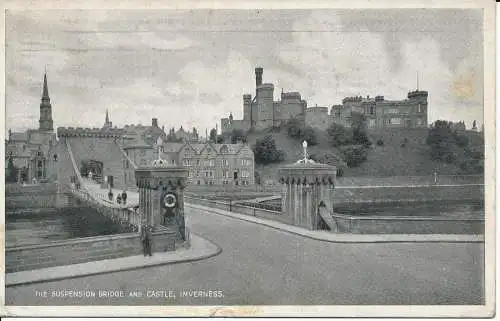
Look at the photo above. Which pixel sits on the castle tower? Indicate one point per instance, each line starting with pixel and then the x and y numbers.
pixel 265 108
pixel 247 108
pixel 45 123
pixel 258 76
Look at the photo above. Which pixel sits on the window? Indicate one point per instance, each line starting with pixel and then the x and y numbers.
pixel 225 174
pixel 212 162
pixel 372 110
pixel 393 111
pixel 206 174
pixel 190 174
pixel 419 108
pixel 172 162
pixel 245 162
pixel 187 162
pixel 225 162
pixel 197 162
pixel 205 162
pixel 143 162
pixel 211 174
pixel 198 182
pixel 395 121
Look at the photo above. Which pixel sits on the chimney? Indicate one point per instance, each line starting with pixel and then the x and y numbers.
pixel 154 122
pixel 258 76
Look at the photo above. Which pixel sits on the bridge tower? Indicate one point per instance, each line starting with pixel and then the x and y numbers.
pixel 307 186
pixel 161 199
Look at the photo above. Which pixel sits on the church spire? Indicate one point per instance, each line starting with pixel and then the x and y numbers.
pixel 46 123
pixel 45 94
pixel 107 117
pixel 107 123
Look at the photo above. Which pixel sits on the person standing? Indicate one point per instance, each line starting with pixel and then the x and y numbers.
pixel 90 174
pixel 119 199
pixel 146 238
pixel 124 197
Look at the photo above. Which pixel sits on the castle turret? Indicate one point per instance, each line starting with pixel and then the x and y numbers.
pixel 45 123
pixel 258 76
pixel 247 107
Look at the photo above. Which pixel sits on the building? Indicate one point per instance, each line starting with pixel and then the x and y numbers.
pixel 382 113
pixel 261 111
pixel 30 150
pixel 212 164
pixel 183 135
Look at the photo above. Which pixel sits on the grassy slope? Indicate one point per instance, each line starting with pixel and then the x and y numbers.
pixel 388 160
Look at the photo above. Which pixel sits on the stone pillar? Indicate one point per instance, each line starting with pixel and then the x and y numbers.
pixel 307 185
pixel 161 197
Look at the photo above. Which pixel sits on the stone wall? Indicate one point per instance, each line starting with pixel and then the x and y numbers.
pixel 390 194
pixel 83 250
pixel 407 225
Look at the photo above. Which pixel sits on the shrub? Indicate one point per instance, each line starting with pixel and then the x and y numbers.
pixel 309 135
pixel 338 135
pixel 355 155
pixel 462 140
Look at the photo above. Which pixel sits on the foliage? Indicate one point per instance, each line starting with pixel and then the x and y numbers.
pixel 220 139
pixel 441 140
pixel 266 152
pixel 359 134
pixel 462 140
pixel 354 155
pixel 213 135
pixel 295 129
pixel 238 135
pixel 338 135
pixel 12 172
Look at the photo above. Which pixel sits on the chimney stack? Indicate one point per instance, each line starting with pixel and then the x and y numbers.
pixel 154 122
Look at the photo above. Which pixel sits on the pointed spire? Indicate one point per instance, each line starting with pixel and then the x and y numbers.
pixel 45 93
pixel 107 117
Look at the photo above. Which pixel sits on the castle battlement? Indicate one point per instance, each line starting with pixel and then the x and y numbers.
pixel 89 132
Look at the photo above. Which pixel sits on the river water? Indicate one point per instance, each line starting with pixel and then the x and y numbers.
pixel 32 226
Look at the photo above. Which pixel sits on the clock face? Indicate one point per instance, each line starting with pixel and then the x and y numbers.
pixel 169 200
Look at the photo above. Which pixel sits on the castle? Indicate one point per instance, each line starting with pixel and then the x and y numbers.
pixel 261 112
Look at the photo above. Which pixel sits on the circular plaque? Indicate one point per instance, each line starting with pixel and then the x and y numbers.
pixel 169 200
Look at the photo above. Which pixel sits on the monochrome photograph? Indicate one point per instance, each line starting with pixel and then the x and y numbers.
pixel 245 161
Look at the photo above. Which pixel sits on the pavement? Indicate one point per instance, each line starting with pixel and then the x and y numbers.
pixel 345 238
pixel 200 249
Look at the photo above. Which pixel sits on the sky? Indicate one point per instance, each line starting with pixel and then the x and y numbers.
pixel 192 67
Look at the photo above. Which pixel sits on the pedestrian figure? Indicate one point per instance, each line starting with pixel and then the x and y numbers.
pixel 124 197
pixel 119 199
pixel 435 177
pixel 146 239
pixel 110 195
pixel 90 174
pixel 33 180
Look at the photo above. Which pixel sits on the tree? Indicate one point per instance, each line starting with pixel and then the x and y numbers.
pixel 441 140
pixel 213 135
pixel 309 135
pixel 339 135
pixel 12 171
pixel 294 128
pixel 358 125
pixel 355 155
pixel 266 152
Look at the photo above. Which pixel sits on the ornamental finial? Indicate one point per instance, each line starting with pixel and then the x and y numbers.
pixel 304 145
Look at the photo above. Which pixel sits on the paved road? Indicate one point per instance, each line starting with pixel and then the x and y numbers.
pixel 260 265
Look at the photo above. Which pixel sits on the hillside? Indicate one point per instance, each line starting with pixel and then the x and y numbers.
pixel 391 159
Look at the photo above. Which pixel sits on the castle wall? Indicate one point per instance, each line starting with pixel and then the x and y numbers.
pixel 317 117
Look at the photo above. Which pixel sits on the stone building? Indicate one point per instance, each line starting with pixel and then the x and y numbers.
pixel 382 113
pixel 212 164
pixel 317 117
pixel 30 150
pixel 261 111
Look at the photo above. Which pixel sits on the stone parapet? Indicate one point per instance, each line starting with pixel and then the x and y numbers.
pixel 89 132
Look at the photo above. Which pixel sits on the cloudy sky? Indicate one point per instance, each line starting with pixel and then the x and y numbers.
pixel 191 68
